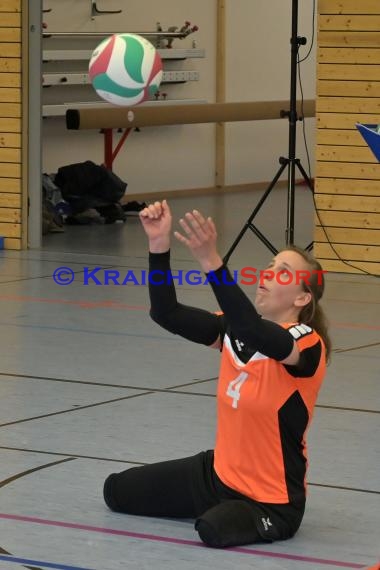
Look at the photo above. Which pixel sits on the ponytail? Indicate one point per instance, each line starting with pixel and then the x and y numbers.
pixel 313 314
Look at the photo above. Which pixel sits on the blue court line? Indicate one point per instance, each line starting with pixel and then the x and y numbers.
pixel 14 560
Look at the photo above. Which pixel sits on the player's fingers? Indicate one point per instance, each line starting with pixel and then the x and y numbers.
pixel 181 238
pixel 186 227
pixel 199 217
pixel 154 210
pixel 211 225
pixel 165 207
pixel 201 225
pixel 144 213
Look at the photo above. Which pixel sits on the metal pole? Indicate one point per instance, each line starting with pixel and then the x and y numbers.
pixel 293 117
pixel 290 162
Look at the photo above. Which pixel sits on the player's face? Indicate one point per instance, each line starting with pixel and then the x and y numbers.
pixel 280 294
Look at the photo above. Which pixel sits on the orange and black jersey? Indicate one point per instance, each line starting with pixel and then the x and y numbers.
pixel 264 406
pixel 264 410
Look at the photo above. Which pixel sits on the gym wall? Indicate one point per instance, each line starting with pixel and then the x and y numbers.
pixel 257 63
pixel 347 173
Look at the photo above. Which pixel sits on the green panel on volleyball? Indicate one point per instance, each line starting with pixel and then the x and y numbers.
pixel 104 83
pixel 133 58
pixel 152 89
pixel 125 69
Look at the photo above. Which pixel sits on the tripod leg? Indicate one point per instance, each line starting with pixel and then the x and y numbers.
pixel 306 177
pixel 249 225
pixel 262 238
pixel 268 191
pixel 311 187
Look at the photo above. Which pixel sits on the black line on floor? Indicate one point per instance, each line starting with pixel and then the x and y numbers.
pixel 122 386
pixel 33 470
pixel 120 399
pixel 340 350
pixel 192 383
pixel 70 456
pixel 342 488
pixel 144 389
pixel 104 384
pixel 74 409
pixel 73 456
pixel 22 474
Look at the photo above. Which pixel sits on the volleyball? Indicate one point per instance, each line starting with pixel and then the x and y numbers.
pixel 125 69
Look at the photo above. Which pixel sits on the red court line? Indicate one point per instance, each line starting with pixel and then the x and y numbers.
pixel 115 305
pixel 179 541
pixel 83 304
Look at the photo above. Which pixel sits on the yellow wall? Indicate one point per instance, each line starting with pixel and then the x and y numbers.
pixel 347 173
pixel 10 123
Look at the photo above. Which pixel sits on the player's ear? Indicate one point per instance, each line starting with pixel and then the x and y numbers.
pixel 303 299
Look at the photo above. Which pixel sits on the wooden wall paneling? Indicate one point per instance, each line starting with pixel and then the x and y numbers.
pixel 10 123
pixel 357 220
pixel 349 7
pixel 8 200
pixel 358 267
pixel 10 155
pixel 348 72
pixel 353 39
pixel 348 252
pixel 344 120
pixel 10 140
pixel 12 215
pixel 348 170
pixel 10 20
pixel 10 5
pixel 347 186
pixel 346 55
pixel 340 153
pixel 347 235
pixel 348 88
pixel 10 79
pixel 348 203
pixel 340 138
pixel 10 50
pixel 10 95
pixel 350 23
pixel 10 34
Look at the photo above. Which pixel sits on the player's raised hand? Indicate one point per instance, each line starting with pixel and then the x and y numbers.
pixel 200 237
pixel 157 222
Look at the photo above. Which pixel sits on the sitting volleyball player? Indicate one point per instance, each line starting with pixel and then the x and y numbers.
pixel 251 487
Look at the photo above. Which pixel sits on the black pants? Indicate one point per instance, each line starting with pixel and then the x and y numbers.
pixel 190 488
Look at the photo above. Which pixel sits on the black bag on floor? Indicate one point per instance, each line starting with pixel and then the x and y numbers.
pixel 87 185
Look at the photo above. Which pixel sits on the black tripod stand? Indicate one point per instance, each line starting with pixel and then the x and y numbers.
pixel 291 162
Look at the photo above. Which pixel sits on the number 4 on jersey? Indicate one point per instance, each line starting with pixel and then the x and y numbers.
pixel 234 388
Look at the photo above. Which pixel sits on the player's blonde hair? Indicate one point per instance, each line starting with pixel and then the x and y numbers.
pixel 313 314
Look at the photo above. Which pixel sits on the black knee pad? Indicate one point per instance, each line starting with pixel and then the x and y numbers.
pixel 108 492
pixel 208 533
pixel 231 523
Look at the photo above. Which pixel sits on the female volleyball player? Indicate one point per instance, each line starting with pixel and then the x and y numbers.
pixel 251 487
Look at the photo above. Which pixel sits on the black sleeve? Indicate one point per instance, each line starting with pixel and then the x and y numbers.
pixel 267 337
pixel 194 324
pixel 308 363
